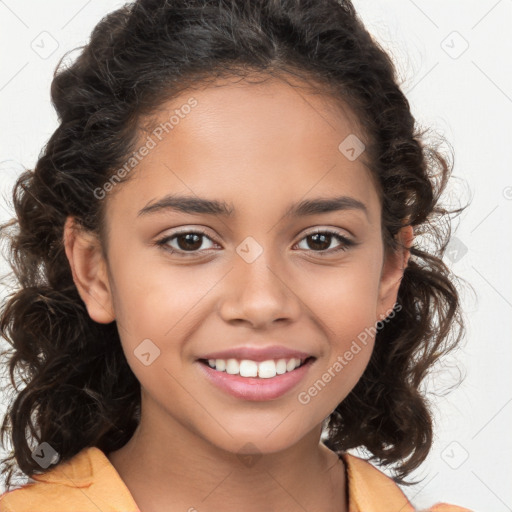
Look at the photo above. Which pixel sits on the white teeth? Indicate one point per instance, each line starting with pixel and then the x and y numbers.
pixel 247 368
pixel 290 365
pixel 232 366
pixel 281 366
pixel 267 369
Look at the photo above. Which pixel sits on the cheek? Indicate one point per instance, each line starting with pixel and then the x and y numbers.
pixel 345 299
pixel 154 306
pixel 150 298
pixel 344 303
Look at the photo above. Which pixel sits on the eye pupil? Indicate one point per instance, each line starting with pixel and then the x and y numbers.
pixel 187 236
pixel 315 238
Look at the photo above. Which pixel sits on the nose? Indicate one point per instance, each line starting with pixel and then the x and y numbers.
pixel 259 293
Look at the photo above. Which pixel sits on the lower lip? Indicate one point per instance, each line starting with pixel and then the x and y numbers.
pixel 254 388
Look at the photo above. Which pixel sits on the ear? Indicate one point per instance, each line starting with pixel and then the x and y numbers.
pixel 392 272
pixel 89 269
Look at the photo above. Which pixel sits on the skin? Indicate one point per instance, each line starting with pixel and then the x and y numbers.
pixel 260 148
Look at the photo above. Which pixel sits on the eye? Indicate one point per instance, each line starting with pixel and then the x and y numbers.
pixel 190 242
pixel 187 242
pixel 321 239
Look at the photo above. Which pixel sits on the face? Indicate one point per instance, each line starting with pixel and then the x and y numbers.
pixel 262 281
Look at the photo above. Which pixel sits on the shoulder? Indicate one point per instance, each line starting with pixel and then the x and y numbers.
pixel 48 496
pixel 370 490
pixel 85 483
pixel 42 497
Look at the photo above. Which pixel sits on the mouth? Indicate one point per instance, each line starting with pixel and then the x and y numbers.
pixel 247 368
pixel 255 380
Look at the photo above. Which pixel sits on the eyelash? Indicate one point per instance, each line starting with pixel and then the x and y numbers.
pixel 346 243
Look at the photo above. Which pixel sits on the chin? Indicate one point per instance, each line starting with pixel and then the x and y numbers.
pixel 260 438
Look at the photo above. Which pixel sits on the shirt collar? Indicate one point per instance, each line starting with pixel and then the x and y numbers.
pixel 369 490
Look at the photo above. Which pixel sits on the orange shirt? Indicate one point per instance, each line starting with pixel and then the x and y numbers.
pixel 90 483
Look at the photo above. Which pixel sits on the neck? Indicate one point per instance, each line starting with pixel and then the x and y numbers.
pixel 165 463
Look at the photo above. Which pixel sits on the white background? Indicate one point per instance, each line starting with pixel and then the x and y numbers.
pixel 465 95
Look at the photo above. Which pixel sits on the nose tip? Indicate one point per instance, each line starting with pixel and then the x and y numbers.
pixel 259 295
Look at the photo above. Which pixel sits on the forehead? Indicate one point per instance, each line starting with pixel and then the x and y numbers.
pixel 246 114
pixel 249 145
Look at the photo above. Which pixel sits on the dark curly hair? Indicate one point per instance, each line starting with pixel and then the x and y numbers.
pixel 79 389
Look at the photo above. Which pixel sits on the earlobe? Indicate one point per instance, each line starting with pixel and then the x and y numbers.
pixel 392 272
pixel 88 267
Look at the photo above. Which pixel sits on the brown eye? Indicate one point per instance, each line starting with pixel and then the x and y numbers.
pixel 185 242
pixel 189 241
pixel 320 241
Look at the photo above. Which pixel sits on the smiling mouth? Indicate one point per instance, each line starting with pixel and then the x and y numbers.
pixel 262 369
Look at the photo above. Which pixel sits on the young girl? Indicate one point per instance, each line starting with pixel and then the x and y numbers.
pixel 224 284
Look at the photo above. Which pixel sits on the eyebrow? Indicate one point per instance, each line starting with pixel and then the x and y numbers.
pixel 198 205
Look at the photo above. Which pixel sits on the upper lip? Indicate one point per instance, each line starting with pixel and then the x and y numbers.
pixel 258 353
